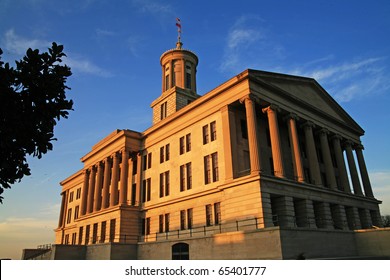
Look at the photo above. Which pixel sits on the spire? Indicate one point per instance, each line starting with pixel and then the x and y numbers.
pixel 179 44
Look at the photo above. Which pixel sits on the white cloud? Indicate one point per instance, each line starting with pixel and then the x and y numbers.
pixel 18 45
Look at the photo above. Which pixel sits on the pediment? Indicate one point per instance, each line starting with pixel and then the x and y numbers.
pixel 307 93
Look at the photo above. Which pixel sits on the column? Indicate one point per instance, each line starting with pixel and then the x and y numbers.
pixel 91 190
pixel 343 175
pixel 106 183
pixel 229 142
pixel 114 180
pixel 357 189
pixel 329 170
pixel 275 140
pixel 85 192
pixel 98 189
pixel 62 211
pixel 295 150
pixel 266 209
pixel 314 167
pixel 124 177
pixel 363 171
pixel 252 134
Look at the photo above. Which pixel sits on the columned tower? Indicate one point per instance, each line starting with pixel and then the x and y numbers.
pixel 178 82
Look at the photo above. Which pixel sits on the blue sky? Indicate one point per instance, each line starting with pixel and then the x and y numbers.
pixel 114 47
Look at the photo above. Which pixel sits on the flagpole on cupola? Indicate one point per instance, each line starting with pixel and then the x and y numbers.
pixel 179 44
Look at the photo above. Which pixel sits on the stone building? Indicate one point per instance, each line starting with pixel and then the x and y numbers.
pixel 264 166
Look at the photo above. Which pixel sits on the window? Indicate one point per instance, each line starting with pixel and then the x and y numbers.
pixel 145 230
pixel 163 110
pixel 78 193
pixel 211 172
pixel 181 251
pixel 213 131
pixel 112 229
pixel 94 233
pixel 217 213
pixel 71 196
pixel 205 134
pixel 167 77
pixel 76 212
pixel 185 144
pixel 185 177
pixel 183 219
pixel 81 235
pixel 189 218
pixel 163 223
pixel 147 161
pixel 67 239
pixel 146 190
pixel 87 231
pixel 74 238
pixel 164 153
pixel 188 142
pixel 103 232
pixel 209 215
pixel 69 218
pixel 188 75
pixel 164 184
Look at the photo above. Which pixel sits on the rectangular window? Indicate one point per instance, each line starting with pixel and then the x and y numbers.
pixel 182 145
pixel 188 80
pixel 162 154
pixel 112 229
pixel 87 232
pixel 166 216
pixel 205 134
pixel 69 218
pixel 189 218
pixel 66 239
pixel 188 142
pixel 167 152
pixel 81 229
pixel 163 111
pixel 103 232
pixel 209 215
pixel 164 184
pixel 182 178
pixel 71 196
pixel 189 175
pixel 146 189
pixel 74 237
pixel 161 223
pixel 76 212
pixel 149 160
pixel 144 162
pixel 183 219
pixel 94 233
pixel 78 193
pixel 213 131
pixel 217 213
pixel 207 170
pixel 214 163
pixel 147 229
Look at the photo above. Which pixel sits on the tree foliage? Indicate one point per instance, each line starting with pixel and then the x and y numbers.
pixel 32 100
pixel 386 221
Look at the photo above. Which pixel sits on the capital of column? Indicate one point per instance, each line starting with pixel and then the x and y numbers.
pixel 290 116
pixel 308 124
pixel 336 137
pixel 271 108
pixel 359 147
pixel 348 143
pixel 250 97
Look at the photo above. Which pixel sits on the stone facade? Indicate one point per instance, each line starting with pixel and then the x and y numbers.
pixel 237 173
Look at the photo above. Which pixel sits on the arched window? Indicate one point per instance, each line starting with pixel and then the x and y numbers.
pixel 181 251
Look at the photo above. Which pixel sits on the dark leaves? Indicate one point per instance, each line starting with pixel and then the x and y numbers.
pixel 32 100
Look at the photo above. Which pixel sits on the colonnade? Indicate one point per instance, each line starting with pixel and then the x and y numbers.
pixel 310 130
pixel 106 183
